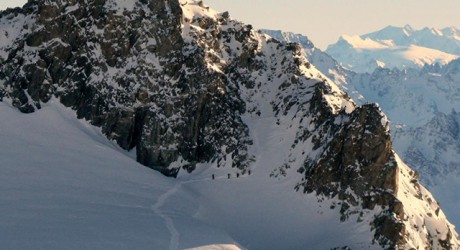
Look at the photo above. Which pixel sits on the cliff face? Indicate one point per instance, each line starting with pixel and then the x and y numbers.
pixel 125 67
pixel 185 87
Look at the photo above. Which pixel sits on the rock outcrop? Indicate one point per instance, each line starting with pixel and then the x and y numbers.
pixel 127 69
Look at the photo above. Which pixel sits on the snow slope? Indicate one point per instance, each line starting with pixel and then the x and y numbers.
pixel 64 186
pixel 396 47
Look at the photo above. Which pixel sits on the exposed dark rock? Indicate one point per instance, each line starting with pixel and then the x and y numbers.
pixel 77 64
pixel 357 166
pixel 389 232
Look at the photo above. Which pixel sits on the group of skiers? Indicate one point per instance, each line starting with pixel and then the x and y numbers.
pixel 229 175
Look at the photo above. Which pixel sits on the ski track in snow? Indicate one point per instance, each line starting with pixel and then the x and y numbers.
pixel 175 235
pixel 174 242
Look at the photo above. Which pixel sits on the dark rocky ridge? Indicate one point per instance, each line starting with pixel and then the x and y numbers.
pixel 180 99
pixel 138 106
pixel 356 165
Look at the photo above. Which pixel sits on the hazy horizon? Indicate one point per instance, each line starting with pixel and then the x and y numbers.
pixel 325 21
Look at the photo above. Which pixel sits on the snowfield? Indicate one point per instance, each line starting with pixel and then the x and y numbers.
pixel 64 186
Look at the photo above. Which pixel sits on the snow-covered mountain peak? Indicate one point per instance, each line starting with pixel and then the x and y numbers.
pixel 397 34
pixel 408 29
pixel 400 47
pixel 408 35
pixel 197 9
pixel 452 31
pixel 437 32
pixel 290 38
pixel 366 43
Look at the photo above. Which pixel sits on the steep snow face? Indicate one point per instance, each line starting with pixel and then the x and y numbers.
pixel 419 201
pixel 396 47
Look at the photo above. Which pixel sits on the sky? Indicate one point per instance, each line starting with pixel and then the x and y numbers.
pixel 323 21
pixel 11 3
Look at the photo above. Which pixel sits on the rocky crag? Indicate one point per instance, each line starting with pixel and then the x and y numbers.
pixel 421 105
pixel 184 86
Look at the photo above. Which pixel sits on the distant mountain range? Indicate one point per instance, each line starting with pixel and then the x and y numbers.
pixel 400 47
